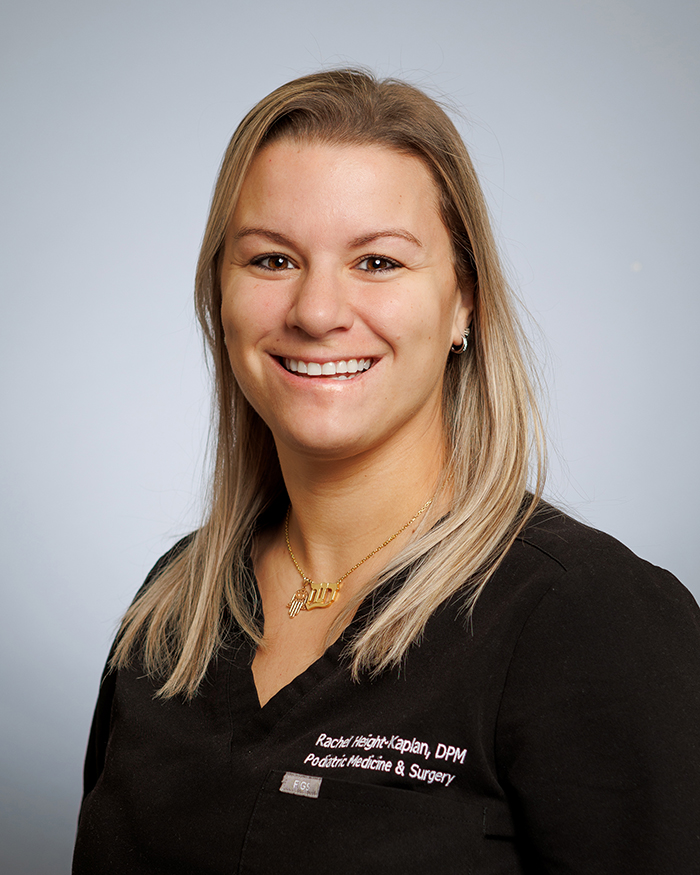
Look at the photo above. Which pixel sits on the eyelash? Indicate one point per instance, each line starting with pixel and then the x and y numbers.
pixel 258 262
pixel 391 265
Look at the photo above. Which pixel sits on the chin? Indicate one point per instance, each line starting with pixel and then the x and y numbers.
pixel 322 442
pixel 328 450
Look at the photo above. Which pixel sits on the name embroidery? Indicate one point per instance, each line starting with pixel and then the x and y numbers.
pixel 340 756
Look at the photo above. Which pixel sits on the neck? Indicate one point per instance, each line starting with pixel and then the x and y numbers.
pixel 343 509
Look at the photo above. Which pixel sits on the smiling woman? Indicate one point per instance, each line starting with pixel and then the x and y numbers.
pixel 382 651
pixel 373 282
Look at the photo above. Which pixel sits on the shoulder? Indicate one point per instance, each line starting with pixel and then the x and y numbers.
pixel 593 614
pixel 555 553
pixel 600 706
pixel 567 591
pixel 165 560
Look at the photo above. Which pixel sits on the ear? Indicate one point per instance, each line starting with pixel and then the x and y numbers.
pixel 464 308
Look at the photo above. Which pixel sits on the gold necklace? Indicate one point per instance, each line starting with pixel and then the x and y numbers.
pixel 321 595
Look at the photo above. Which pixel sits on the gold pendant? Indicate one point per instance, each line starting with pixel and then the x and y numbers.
pixel 322 595
pixel 298 602
pixel 319 595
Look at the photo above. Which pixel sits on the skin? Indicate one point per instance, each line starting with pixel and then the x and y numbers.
pixel 333 254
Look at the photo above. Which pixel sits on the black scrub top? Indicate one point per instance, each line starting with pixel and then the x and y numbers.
pixel 558 732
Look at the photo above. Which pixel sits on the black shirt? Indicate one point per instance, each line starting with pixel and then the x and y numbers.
pixel 558 732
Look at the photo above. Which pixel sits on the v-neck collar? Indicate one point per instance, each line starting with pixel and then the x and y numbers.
pixel 248 715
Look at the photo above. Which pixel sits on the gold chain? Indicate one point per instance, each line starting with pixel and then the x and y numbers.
pixel 322 595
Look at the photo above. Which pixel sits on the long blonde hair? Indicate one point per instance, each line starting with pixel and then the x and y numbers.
pixel 492 426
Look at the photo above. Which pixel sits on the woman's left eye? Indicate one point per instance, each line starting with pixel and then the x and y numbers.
pixel 377 264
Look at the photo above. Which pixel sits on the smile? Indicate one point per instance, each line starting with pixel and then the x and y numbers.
pixel 341 370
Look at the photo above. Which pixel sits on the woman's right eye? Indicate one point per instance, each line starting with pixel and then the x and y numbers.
pixel 275 263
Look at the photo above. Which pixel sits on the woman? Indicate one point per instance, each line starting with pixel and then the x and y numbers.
pixel 380 652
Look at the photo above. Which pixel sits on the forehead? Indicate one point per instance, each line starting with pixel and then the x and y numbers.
pixel 341 184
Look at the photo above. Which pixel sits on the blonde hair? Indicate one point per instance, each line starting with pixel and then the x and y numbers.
pixel 492 427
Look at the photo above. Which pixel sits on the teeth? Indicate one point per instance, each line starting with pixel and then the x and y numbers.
pixel 327 369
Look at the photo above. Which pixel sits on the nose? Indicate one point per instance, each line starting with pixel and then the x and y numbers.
pixel 321 304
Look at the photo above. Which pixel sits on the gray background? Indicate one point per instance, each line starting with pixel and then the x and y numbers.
pixel 583 120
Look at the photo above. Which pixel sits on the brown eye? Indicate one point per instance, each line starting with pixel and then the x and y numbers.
pixel 378 264
pixel 273 262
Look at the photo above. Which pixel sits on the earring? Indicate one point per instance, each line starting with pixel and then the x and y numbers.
pixel 458 350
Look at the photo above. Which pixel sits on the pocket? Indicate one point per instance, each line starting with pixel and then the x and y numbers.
pixel 352 828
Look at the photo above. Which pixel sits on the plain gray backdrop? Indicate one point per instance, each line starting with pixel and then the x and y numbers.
pixel 582 117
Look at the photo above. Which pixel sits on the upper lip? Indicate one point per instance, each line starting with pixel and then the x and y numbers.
pixel 323 359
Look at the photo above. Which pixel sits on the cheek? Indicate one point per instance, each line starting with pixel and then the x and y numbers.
pixel 241 316
pixel 406 315
pixel 419 324
pixel 227 310
pixel 432 319
pixel 236 335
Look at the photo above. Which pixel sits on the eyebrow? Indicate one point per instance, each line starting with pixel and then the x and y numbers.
pixel 273 236
pixel 356 243
pixel 389 232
